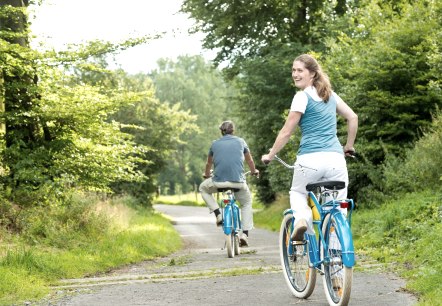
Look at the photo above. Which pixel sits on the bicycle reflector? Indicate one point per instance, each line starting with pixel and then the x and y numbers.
pixel 226 201
pixel 343 204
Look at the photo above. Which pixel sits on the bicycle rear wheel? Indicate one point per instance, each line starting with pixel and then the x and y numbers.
pixel 300 276
pixel 236 248
pixel 230 244
pixel 337 278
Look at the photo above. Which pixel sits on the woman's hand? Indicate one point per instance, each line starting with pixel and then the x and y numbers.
pixel 266 158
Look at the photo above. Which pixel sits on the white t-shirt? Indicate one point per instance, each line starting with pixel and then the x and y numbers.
pixel 299 102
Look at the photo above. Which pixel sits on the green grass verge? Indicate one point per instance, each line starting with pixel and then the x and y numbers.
pixel 406 232
pixel 192 199
pixel 28 270
pixel 188 199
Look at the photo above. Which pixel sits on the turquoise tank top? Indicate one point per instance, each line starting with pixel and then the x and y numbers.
pixel 318 127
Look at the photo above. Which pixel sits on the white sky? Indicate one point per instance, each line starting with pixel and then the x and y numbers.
pixel 58 22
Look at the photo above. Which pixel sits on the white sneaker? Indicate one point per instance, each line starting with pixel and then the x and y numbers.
pixel 243 240
pixel 219 220
pixel 299 230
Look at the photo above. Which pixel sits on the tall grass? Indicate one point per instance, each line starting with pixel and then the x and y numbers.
pixel 104 235
pixel 408 232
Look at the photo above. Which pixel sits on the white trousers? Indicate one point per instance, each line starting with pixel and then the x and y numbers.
pixel 310 168
pixel 208 187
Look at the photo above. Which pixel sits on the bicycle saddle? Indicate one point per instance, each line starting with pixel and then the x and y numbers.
pixel 227 188
pixel 332 185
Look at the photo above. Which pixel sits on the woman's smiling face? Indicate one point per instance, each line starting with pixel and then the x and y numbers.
pixel 302 77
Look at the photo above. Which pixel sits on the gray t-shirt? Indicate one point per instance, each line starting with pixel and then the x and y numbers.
pixel 228 158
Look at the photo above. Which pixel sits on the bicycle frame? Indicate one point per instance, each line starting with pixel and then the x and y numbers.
pixel 343 228
pixel 232 219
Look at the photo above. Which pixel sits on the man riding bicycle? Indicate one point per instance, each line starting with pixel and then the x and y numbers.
pixel 227 155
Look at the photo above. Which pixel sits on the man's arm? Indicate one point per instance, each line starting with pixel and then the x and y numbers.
pixel 251 163
pixel 209 163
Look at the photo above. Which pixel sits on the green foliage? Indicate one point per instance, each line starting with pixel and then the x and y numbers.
pixel 189 199
pixel 194 86
pixel 63 127
pixel 408 232
pixel 421 166
pixel 93 236
pixel 243 30
pixel 382 69
pixel 164 128
pixel 271 216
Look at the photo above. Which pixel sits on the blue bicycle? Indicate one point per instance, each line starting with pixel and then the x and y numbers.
pixel 231 220
pixel 330 251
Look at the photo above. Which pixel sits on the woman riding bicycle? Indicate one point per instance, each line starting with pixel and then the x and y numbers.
pixel 320 156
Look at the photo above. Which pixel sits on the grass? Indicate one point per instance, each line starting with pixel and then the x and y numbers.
pixel 29 269
pixel 188 199
pixel 193 199
pixel 407 232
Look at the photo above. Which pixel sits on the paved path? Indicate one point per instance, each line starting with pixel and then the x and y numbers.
pixel 202 274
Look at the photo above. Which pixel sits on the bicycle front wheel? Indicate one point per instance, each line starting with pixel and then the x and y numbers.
pixel 300 276
pixel 337 278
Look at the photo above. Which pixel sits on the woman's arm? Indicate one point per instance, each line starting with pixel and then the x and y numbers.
pixel 283 135
pixel 352 124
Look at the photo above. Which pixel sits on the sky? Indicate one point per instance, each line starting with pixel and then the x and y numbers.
pixel 59 22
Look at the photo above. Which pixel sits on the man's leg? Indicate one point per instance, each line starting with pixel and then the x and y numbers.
pixel 207 189
pixel 244 197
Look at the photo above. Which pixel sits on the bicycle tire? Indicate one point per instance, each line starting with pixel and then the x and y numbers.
pixel 236 248
pixel 230 241
pixel 337 278
pixel 299 274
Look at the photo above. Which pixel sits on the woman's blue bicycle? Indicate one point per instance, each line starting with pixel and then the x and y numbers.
pixel 330 251
pixel 231 220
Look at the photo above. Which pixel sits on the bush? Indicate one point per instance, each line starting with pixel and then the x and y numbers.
pixel 421 167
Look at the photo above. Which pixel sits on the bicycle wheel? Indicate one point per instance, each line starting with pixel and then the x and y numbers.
pixel 236 248
pixel 300 276
pixel 230 242
pixel 337 278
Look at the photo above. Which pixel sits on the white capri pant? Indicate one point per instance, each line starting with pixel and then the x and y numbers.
pixel 310 168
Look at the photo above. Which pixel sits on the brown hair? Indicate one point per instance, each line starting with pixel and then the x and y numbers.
pixel 320 80
pixel 227 127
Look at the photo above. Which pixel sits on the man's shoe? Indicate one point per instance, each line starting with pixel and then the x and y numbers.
pixel 219 220
pixel 299 230
pixel 336 282
pixel 243 240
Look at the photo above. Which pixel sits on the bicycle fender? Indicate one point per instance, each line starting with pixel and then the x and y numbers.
pixel 236 217
pixel 345 238
pixel 227 220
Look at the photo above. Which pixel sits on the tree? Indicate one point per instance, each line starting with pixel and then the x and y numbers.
pixel 60 115
pixel 259 40
pixel 386 70
pixel 244 29
pixel 199 88
pixel 158 125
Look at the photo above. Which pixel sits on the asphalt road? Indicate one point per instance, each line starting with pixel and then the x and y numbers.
pixel 202 274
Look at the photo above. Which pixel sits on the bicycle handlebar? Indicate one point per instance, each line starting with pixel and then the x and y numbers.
pixel 284 163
